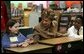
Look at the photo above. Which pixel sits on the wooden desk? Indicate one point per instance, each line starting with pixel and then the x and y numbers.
pixel 60 40
pixel 36 48
pixel 64 44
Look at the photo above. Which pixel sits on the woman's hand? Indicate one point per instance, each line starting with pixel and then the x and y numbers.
pixel 30 40
pixel 25 44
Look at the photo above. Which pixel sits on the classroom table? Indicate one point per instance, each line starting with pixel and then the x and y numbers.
pixel 35 48
pixel 64 44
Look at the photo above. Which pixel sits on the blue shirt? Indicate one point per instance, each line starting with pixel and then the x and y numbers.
pixel 6 41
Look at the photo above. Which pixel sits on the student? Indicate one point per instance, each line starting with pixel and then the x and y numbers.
pixel 12 37
pixel 77 29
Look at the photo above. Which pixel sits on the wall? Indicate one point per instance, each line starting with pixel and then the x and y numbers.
pixel 34 2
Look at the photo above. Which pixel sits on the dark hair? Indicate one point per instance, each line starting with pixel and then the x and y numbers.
pixel 79 18
pixel 10 23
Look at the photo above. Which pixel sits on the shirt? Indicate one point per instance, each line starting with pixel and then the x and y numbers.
pixel 44 33
pixel 72 32
pixel 6 40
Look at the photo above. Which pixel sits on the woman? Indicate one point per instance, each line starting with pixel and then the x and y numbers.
pixel 45 29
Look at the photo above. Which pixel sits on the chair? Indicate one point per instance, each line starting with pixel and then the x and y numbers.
pixel 64 23
pixel 26 31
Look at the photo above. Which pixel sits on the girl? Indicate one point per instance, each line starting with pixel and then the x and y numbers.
pixel 12 37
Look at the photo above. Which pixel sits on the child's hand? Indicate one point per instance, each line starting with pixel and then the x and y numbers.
pixel 13 45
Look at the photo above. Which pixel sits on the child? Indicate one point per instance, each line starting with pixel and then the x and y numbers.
pixel 77 29
pixel 12 37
